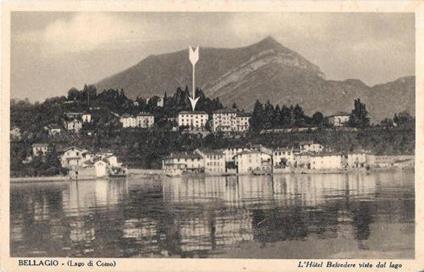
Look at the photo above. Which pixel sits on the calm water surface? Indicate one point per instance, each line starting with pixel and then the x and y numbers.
pixel 287 216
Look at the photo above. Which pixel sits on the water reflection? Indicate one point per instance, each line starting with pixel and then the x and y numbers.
pixel 203 217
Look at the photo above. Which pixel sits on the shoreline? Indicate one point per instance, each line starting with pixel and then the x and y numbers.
pixel 160 173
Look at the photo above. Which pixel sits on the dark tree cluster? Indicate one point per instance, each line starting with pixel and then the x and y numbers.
pixel 269 116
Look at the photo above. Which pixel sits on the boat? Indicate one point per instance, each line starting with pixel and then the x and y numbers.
pixel 117 172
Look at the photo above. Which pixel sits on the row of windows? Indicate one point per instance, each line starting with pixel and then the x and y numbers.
pixel 214 164
pixel 214 157
pixel 190 159
pixel 191 121
pixel 193 116
pixel 279 153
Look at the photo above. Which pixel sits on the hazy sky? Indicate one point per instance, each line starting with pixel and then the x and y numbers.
pixel 54 51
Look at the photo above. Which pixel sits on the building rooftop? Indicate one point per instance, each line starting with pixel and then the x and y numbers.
pixel 252 151
pixel 208 151
pixel 192 112
pixel 184 155
pixel 144 114
pixel 40 145
pixel 74 147
pixel 283 149
pixel 307 143
pixel 53 126
pixel 340 113
pixel 226 110
pixel 326 153
pixel 243 114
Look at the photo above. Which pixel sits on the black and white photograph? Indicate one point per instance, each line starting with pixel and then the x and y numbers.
pixel 218 135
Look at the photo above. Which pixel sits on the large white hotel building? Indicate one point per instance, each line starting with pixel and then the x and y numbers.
pixel 230 120
pixel 192 119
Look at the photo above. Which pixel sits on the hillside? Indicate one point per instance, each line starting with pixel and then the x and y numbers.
pixel 264 70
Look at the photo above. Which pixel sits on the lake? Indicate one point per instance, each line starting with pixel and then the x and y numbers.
pixel 354 215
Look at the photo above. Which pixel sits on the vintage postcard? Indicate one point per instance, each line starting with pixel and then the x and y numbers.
pixel 225 136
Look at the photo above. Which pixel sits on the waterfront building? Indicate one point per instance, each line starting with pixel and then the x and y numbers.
pixel 192 119
pixel 339 119
pixel 229 120
pixel 231 152
pixel 252 160
pixel 75 157
pixel 302 160
pixel 111 159
pixel 100 167
pixel 331 160
pixel 73 125
pixel 283 157
pixel 357 159
pixel 186 161
pixel 214 160
pixel 310 146
pixel 320 161
pixel 40 149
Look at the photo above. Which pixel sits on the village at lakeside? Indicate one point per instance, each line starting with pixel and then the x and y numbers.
pixel 87 134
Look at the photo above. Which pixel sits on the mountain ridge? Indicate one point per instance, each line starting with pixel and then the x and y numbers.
pixel 265 70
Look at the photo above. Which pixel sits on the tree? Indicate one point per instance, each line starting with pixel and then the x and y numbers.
pixel 73 94
pixel 285 116
pixel 276 117
pixel 299 116
pixel 268 115
pixel 256 122
pixel 387 123
pixel 318 119
pixel 359 115
pixel 403 119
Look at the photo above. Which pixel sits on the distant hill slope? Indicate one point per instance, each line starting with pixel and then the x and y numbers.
pixel 264 70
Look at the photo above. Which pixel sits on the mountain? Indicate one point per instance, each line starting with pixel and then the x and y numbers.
pixel 264 70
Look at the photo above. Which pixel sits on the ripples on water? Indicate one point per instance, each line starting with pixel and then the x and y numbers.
pixel 287 216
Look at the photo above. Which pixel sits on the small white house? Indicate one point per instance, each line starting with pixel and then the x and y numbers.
pixel 339 119
pixel 86 117
pixel 310 146
pixel 128 121
pixel 74 157
pixel 53 130
pixel 40 149
pixel 73 125
pixel 283 157
pixel 15 134
pixel 145 120
pixel 100 167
